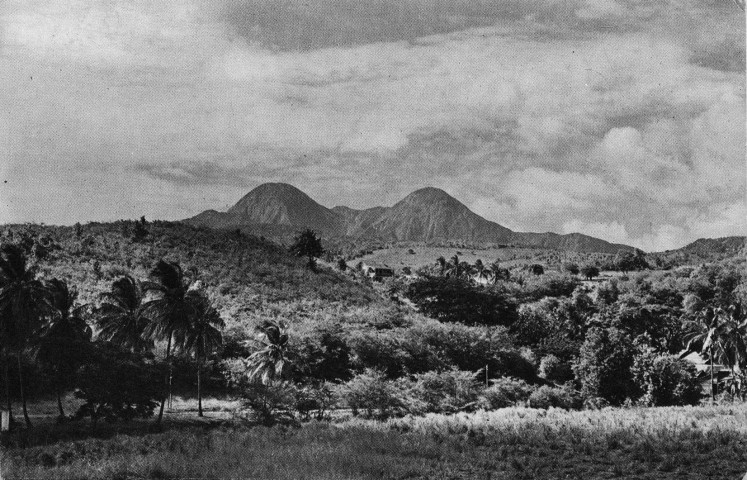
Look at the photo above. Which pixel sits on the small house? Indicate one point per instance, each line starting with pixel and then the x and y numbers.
pixel 377 271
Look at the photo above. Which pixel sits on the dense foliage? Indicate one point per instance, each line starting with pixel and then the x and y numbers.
pixel 237 314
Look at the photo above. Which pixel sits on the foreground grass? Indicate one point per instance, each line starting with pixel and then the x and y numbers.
pixel 699 442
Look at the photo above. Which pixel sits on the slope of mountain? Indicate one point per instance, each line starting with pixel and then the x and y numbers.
pixel 703 250
pixel 724 245
pixel 574 242
pixel 429 215
pixel 283 204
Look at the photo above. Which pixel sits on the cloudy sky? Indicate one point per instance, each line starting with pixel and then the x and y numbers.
pixel 622 119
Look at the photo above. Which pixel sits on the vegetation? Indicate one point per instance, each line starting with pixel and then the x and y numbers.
pixel 122 321
pixel 664 443
pixel 308 245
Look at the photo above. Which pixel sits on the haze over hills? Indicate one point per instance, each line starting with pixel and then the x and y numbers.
pixel 427 215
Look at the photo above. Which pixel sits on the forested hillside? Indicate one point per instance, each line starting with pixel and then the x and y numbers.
pixel 459 336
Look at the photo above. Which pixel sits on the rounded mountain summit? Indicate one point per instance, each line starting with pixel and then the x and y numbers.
pixel 426 215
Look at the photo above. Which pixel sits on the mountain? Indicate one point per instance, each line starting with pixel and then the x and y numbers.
pixel 429 215
pixel 283 204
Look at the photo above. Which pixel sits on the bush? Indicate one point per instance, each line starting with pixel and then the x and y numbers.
pixel 552 285
pixel 444 392
pixel 665 380
pixel 433 346
pixel 505 392
pixel 452 299
pixel 316 399
pixel 558 397
pixel 555 370
pixel 269 401
pixel 372 394
pixel 118 385
pixel 320 355
pixel 604 365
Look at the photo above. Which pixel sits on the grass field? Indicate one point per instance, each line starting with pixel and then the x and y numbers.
pixel 653 443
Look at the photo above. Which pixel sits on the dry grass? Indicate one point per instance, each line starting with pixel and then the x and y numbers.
pixel 691 442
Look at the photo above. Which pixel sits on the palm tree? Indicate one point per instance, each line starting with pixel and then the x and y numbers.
pixel 203 335
pixel 63 344
pixel 23 307
pixel 120 316
pixel 441 262
pixel 455 267
pixel 481 270
pixel 498 272
pixel 268 362
pixel 721 334
pixel 169 313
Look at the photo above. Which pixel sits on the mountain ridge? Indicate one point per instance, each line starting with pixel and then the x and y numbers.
pixel 427 215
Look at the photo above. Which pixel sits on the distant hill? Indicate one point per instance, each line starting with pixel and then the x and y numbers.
pixel 725 245
pixel 428 215
pixel 703 250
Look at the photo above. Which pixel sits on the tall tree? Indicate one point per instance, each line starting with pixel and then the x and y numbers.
pixel 63 344
pixel 308 245
pixel 24 305
pixel 120 316
pixel 203 335
pixel 169 313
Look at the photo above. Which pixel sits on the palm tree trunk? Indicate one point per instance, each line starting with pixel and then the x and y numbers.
pixel 59 401
pixel 713 391
pixel 23 395
pixel 6 373
pixel 163 400
pixel 199 388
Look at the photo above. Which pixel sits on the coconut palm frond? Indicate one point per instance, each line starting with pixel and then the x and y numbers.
pixel 169 275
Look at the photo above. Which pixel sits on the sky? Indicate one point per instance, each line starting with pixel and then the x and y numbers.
pixel 621 119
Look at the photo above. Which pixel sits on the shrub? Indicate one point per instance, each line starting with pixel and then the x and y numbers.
pixel 381 350
pixel 321 355
pixel 608 292
pixel 589 271
pixel 604 365
pixel 453 299
pixel 316 399
pixel 118 385
pixel 552 285
pixel 665 380
pixel 372 394
pixel 444 392
pixel 571 268
pixel 554 369
pixel 558 397
pixel 269 401
pixel 595 403
pixel 505 392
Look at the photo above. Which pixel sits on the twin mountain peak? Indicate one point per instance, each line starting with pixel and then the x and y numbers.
pixel 427 215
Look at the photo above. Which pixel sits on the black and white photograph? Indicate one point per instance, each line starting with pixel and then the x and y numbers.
pixel 373 239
